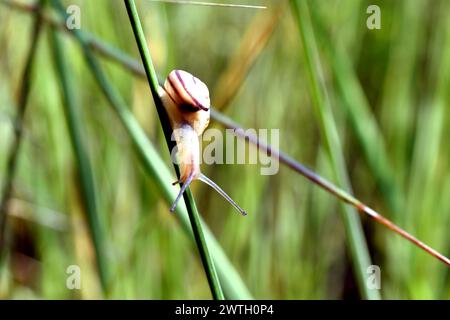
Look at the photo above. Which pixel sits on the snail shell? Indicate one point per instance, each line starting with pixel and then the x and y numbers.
pixel 187 100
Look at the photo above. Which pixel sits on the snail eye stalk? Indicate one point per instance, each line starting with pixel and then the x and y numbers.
pixel 183 188
pixel 213 185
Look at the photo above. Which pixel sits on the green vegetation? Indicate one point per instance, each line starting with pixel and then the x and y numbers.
pixel 92 185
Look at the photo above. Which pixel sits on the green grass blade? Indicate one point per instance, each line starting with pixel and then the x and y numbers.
pixel 233 285
pixel 88 193
pixel 362 122
pixel 356 240
pixel 194 216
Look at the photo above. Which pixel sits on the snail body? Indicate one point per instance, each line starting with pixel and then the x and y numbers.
pixel 187 103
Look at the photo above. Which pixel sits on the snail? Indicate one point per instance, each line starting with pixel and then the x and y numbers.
pixel 187 103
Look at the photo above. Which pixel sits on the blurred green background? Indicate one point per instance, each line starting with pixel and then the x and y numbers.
pixel 388 92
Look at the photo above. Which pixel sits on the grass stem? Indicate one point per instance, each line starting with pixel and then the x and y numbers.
pixel 356 240
pixel 13 155
pixel 194 216
pixel 88 194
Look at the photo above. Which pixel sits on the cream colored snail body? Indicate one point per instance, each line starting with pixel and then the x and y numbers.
pixel 186 100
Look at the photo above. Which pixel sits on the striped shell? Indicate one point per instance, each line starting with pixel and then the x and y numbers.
pixel 187 91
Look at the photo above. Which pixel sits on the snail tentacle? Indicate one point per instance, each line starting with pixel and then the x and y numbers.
pixel 220 191
pixel 183 188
